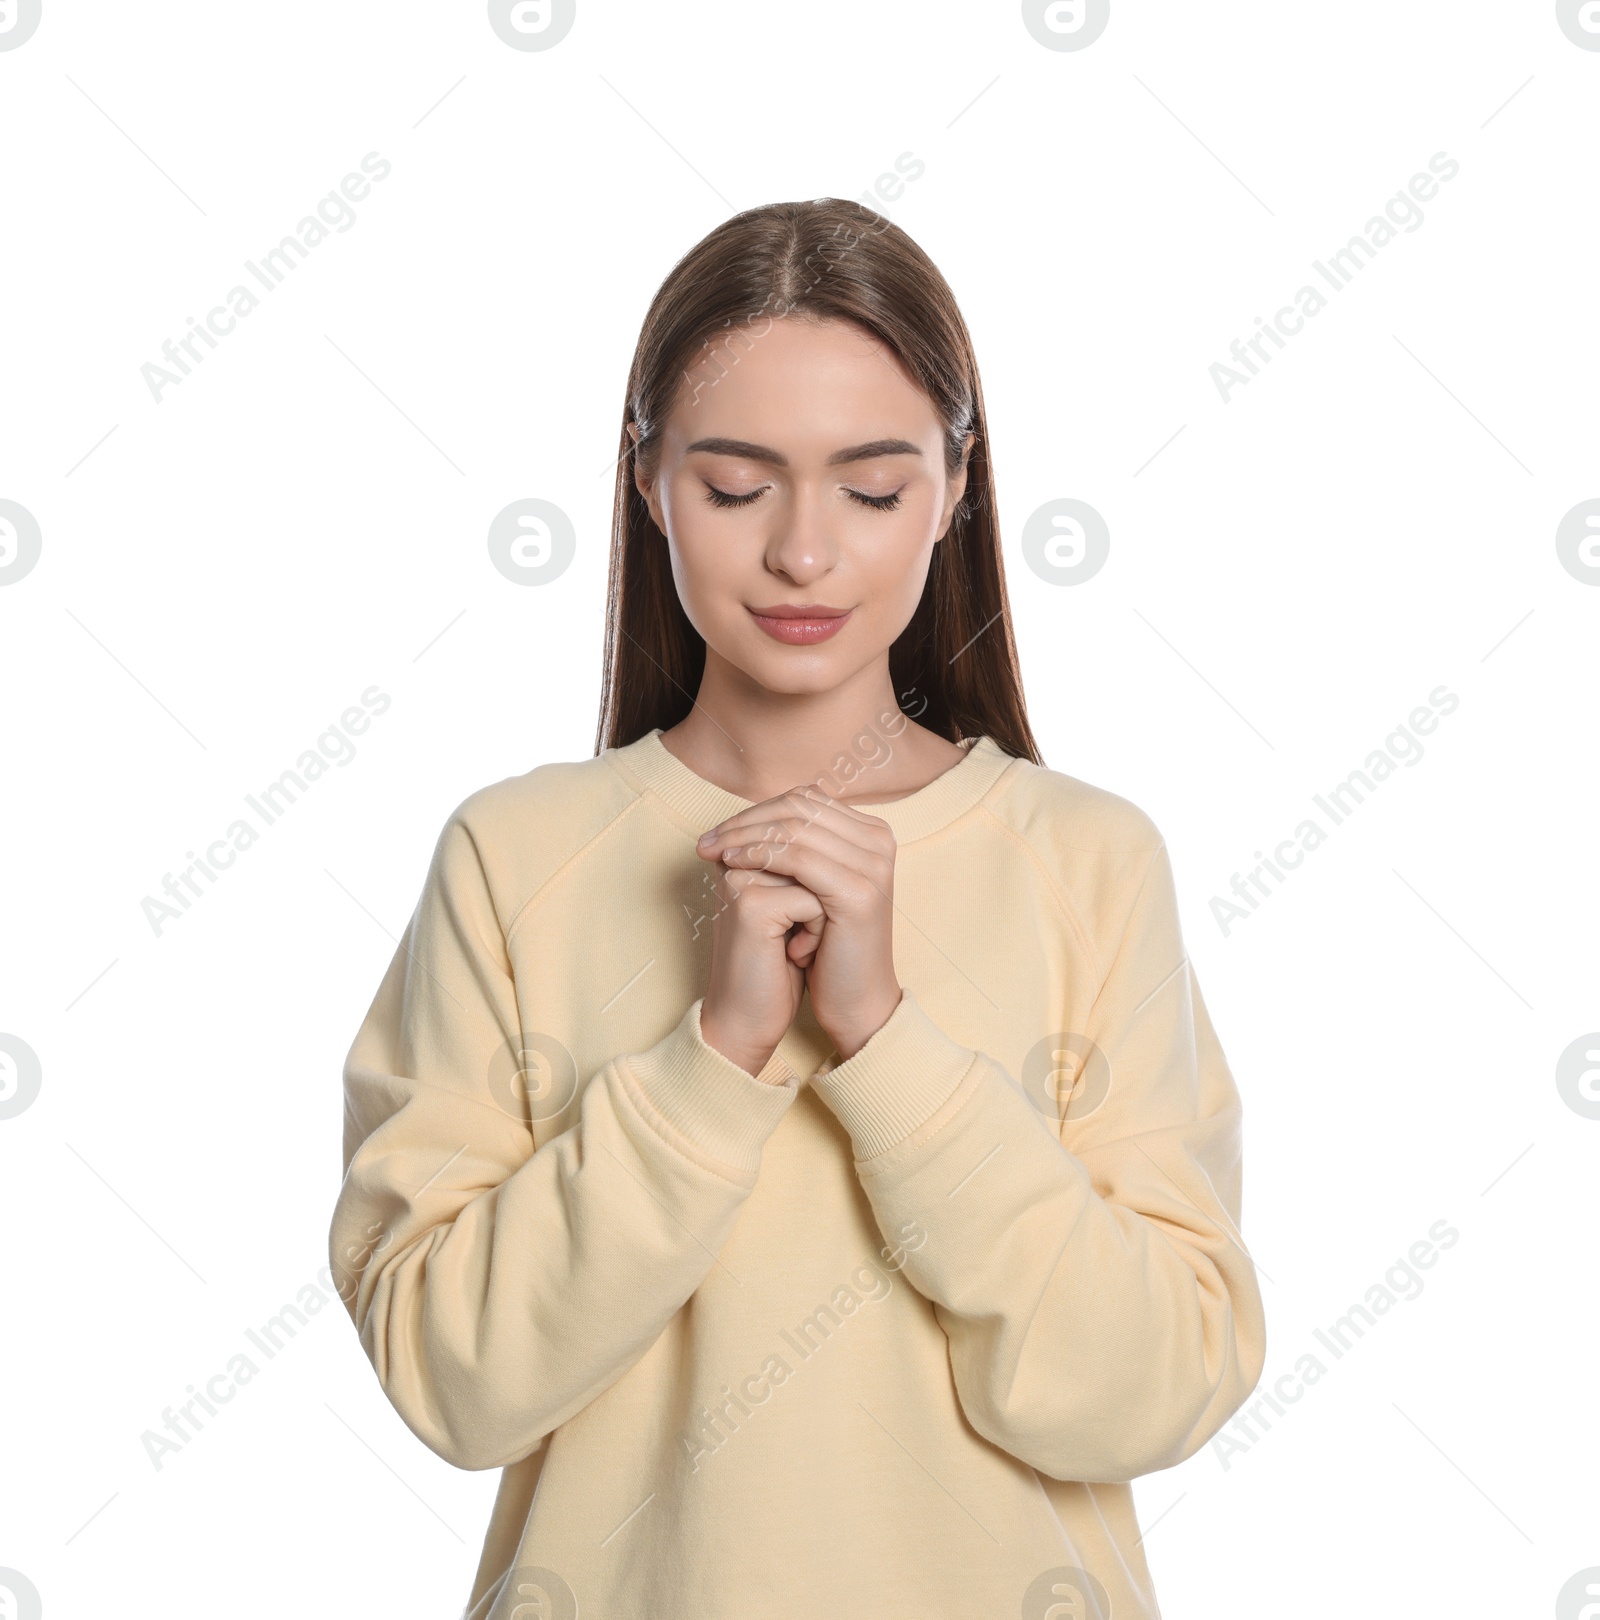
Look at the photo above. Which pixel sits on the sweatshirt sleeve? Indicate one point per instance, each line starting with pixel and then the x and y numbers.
pixel 497 1289
pixel 1103 1316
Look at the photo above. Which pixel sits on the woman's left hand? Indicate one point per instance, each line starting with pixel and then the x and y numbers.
pixel 846 859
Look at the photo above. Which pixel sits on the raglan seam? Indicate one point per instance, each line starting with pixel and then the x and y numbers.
pixel 1127 930
pixel 1057 893
pixel 452 900
pixel 668 811
pixel 1058 890
pixel 577 855
pixel 1085 849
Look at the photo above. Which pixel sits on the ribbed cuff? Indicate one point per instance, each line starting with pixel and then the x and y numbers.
pixel 896 1082
pixel 707 1098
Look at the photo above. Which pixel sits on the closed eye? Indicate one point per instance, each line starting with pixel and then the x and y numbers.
pixel 720 497
pixel 879 503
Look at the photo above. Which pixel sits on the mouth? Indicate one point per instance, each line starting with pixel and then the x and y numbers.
pixel 800 624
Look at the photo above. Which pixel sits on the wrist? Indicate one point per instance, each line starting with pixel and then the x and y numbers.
pixel 849 1039
pixel 751 1056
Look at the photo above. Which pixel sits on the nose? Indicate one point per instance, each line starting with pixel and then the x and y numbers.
pixel 800 548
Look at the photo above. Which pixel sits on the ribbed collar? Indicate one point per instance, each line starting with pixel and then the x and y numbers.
pixel 649 765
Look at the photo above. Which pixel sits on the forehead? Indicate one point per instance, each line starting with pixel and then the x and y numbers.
pixel 796 382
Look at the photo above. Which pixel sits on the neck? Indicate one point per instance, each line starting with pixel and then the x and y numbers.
pixel 759 743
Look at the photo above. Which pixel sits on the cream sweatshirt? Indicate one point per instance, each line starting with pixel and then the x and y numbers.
pixel 885 1337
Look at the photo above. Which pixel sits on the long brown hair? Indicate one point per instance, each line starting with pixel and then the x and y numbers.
pixel 954 666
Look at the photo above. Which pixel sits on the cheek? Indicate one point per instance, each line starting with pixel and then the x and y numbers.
pixel 894 559
pixel 686 528
pixel 691 573
pixel 707 562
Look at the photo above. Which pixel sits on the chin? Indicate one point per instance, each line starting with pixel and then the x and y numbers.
pixel 795 677
pixel 793 671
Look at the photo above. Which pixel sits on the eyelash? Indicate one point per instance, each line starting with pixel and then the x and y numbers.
pixel 879 503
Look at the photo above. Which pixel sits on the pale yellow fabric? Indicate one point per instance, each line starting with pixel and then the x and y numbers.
pixel 884 1337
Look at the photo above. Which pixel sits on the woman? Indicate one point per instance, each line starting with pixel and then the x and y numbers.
pixel 792 1144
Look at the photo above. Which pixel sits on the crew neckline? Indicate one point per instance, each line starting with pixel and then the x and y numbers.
pixel 651 765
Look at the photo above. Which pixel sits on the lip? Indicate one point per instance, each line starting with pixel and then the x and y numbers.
pixel 802 623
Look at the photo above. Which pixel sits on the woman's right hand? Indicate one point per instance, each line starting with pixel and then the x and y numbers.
pixel 757 969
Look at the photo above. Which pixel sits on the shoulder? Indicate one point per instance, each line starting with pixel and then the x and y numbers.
pixel 1098 851
pixel 1065 813
pixel 520 831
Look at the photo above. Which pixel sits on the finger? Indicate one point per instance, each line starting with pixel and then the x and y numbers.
pixel 736 880
pixel 814 807
pixel 839 874
pixel 840 807
pixel 873 842
pixel 809 807
pixel 757 876
pixel 875 862
pixel 773 897
pixel 812 793
pixel 803 943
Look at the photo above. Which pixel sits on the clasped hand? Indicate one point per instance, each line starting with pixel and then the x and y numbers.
pixel 810 889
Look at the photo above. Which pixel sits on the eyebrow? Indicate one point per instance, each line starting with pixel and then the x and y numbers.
pixel 760 452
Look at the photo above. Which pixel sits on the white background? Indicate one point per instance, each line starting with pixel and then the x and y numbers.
pixel 223 573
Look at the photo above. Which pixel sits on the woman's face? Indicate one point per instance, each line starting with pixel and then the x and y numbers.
pixel 801 470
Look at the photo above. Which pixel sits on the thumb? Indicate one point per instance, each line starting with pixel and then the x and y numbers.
pixel 803 941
